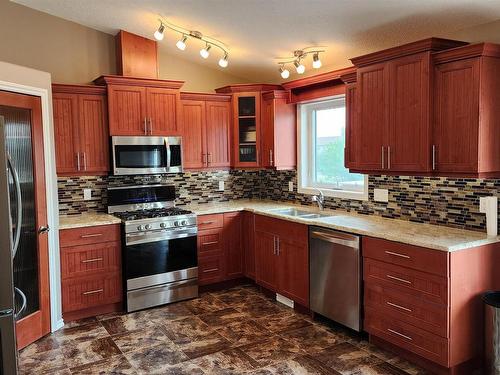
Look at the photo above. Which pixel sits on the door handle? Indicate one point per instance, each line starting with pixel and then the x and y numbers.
pixel 388 157
pixel 43 229
pixel 383 157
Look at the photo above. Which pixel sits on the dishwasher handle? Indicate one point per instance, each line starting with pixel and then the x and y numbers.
pixel 337 238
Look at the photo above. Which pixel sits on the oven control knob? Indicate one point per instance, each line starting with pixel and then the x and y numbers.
pixel 140 227
pixel 176 223
pixel 163 225
pixel 148 226
pixel 184 222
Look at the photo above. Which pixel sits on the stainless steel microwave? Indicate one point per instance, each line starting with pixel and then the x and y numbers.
pixel 146 155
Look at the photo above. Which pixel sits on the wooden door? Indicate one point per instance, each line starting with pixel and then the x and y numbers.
pixel 65 112
pixel 371 129
pixel 284 127
pixel 162 111
pixel 456 116
pixel 93 134
pixel 218 133
pixel 409 147
pixel 248 237
pixel 193 133
pixel 352 127
pixel 232 243
pixel 127 110
pixel 266 260
pixel 267 132
pixel 293 269
pixel 246 135
pixel 24 139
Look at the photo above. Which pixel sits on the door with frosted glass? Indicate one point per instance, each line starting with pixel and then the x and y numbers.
pixel 24 144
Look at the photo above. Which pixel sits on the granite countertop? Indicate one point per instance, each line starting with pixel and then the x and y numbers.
pixel 425 235
pixel 86 220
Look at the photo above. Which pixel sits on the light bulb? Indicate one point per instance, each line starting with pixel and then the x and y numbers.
pixel 316 61
pixel 181 44
pixel 299 67
pixel 223 61
pixel 285 73
pixel 204 52
pixel 159 33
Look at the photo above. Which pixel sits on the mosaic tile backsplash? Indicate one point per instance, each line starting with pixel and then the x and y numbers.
pixel 443 201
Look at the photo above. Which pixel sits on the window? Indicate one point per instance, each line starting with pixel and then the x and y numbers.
pixel 321 144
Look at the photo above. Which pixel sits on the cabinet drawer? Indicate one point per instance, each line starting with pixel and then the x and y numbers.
pixel 397 304
pixel 89 235
pixel 210 269
pixel 416 340
pixel 210 242
pixel 295 232
pixel 419 258
pixel 87 292
pixel 210 221
pixel 425 285
pixel 84 260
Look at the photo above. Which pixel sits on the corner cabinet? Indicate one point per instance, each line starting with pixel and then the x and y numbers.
pixel 80 130
pixel 142 106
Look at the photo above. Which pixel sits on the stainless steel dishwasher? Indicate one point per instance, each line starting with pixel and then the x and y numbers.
pixel 335 276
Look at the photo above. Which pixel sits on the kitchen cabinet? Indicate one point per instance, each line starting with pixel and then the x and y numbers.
pixel 351 99
pixel 206 130
pixel 80 130
pixel 248 238
pixel 466 138
pixel 233 244
pixel 90 271
pixel 415 301
pixel 282 257
pixel 279 131
pixel 142 107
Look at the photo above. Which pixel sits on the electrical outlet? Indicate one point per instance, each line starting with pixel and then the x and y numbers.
pixel 290 186
pixel 381 195
pixel 221 185
pixel 87 194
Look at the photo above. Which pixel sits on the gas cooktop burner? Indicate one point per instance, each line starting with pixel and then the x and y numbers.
pixel 151 213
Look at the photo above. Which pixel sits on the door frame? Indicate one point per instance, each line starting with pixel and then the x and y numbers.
pixel 45 94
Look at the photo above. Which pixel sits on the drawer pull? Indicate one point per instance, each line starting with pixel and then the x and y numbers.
pixel 91 235
pixel 398 254
pixel 207 222
pixel 210 270
pixel 210 243
pixel 93 292
pixel 398 279
pixel 91 260
pixel 399 334
pixel 399 307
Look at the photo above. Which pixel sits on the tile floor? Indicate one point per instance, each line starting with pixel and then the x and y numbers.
pixel 237 331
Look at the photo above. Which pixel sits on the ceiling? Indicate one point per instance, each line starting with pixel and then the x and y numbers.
pixel 257 31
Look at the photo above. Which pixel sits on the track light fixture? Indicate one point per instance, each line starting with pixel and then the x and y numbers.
pixel 297 58
pixel 190 34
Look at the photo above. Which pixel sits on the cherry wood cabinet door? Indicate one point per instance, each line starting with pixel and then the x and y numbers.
pixel 350 152
pixel 266 260
pixel 408 147
pixel 193 132
pixel 127 110
pixel 65 111
pixel 267 133
pixel 93 133
pixel 162 111
pixel 372 127
pixel 218 133
pixel 233 245
pixel 456 116
pixel 248 237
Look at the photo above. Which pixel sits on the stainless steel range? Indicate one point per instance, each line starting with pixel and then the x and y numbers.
pixel 159 245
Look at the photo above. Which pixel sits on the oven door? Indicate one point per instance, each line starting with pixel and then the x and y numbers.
pixel 163 261
pixel 140 155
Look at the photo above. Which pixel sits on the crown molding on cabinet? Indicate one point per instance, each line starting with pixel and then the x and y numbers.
pixel 133 81
pixel 247 87
pixel 78 89
pixel 472 50
pixel 205 96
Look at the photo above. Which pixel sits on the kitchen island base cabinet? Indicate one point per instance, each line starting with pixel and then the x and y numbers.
pixel 282 258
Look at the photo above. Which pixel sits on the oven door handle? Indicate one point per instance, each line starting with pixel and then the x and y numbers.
pixel 173 285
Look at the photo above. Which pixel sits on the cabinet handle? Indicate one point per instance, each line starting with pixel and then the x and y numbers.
pixel 207 222
pixel 150 126
pixel 78 161
pixel 398 279
pixel 270 157
pixel 399 307
pixel 398 254
pixel 145 126
pixel 433 157
pixel 399 334
pixel 210 270
pixel 274 245
pixel 93 292
pixel 84 161
pixel 91 235
pixel 91 260
pixel 278 245
pixel 204 159
pixel 210 243
pixel 388 157
pixel 209 158
pixel 383 157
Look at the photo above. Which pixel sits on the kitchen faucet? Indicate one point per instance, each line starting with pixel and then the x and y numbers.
pixel 319 199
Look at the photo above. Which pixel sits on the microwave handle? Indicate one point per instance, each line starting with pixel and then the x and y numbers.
pixel 169 155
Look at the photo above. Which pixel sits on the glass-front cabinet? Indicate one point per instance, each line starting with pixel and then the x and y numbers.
pixel 247 129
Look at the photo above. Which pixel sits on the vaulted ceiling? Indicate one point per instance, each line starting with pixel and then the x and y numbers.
pixel 257 31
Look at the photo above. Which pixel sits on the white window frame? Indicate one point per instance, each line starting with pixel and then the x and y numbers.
pixel 305 160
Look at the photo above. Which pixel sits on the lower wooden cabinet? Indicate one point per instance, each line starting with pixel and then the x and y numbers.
pixel 282 257
pixel 248 237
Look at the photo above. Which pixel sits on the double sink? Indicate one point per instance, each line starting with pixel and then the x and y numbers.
pixel 301 214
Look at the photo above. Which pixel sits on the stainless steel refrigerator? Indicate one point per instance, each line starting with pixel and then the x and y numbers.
pixel 9 241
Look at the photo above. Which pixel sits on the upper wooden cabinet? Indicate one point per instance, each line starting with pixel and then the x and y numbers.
pixel 142 106
pixel 279 131
pixel 206 129
pixel 80 130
